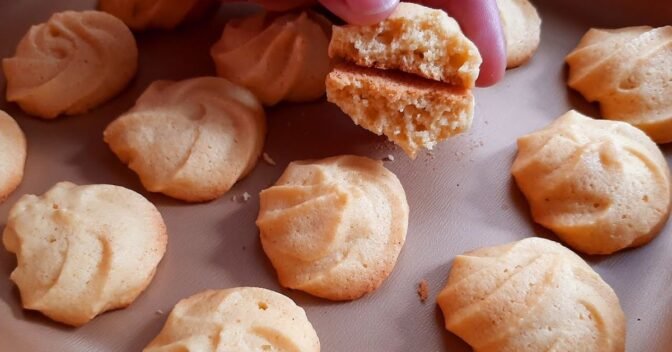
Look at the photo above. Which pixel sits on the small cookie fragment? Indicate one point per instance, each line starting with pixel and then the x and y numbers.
pixel 334 227
pixel 521 25
pixel 528 296
pixel 164 14
pixel 600 185
pixel 192 139
pixel 236 319
pixel 412 112
pixel 628 71
pixel 423 290
pixel 279 57
pixel 83 250
pixel 12 155
pixel 70 64
pixel 414 39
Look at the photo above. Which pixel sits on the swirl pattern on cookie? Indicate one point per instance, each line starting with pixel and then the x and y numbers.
pixel 192 139
pixel 279 57
pixel 334 227
pixel 628 72
pixel 531 295
pixel 237 319
pixel 600 185
pixel 70 64
pixel 12 155
pixel 83 250
pixel 164 14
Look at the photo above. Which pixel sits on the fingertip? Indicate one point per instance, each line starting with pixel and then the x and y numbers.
pixel 493 68
pixel 480 22
pixel 361 12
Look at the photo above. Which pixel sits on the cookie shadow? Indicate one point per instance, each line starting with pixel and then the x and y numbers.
pixel 316 130
pixel 576 101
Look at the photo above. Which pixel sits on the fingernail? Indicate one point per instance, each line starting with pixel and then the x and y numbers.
pixel 371 7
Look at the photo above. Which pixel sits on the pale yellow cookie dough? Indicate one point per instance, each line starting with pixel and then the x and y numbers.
pixel 601 186
pixel 243 319
pixel 12 155
pixel 192 139
pixel 629 72
pixel 334 227
pixel 83 250
pixel 529 296
pixel 279 57
pixel 70 64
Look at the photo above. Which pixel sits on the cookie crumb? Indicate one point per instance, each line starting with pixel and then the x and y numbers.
pixel 234 198
pixel 246 197
pixel 268 159
pixel 423 290
pixel 389 157
pixel 159 312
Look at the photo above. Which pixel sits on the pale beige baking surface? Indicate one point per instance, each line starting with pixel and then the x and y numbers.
pixel 461 198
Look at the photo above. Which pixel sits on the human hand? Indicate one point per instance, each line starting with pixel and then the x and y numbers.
pixel 479 20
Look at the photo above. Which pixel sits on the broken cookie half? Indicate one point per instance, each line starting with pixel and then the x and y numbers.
pixel 407 77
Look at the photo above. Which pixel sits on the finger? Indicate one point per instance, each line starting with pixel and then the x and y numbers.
pixel 283 5
pixel 479 20
pixel 361 11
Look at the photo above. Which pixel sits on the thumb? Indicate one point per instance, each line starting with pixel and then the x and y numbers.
pixel 361 11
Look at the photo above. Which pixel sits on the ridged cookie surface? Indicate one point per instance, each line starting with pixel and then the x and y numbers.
pixel 529 296
pixel 83 250
pixel 244 319
pixel 279 57
pixel 334 227
pixel 192 139
pixel 629 72
pixel 600 185
pixel 70 64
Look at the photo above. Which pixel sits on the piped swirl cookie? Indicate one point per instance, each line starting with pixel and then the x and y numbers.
pixel 163 14
pixel 629 72
pixel 531 295
pixel 334 227
pixel 192 139
pixel 83 250
pixel 236 319
pixel 279 57
pixel 70 64
pixel 12 155
pixel 601 186
pixel 521 25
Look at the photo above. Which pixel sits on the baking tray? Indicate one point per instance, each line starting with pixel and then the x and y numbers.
pixel 461 196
